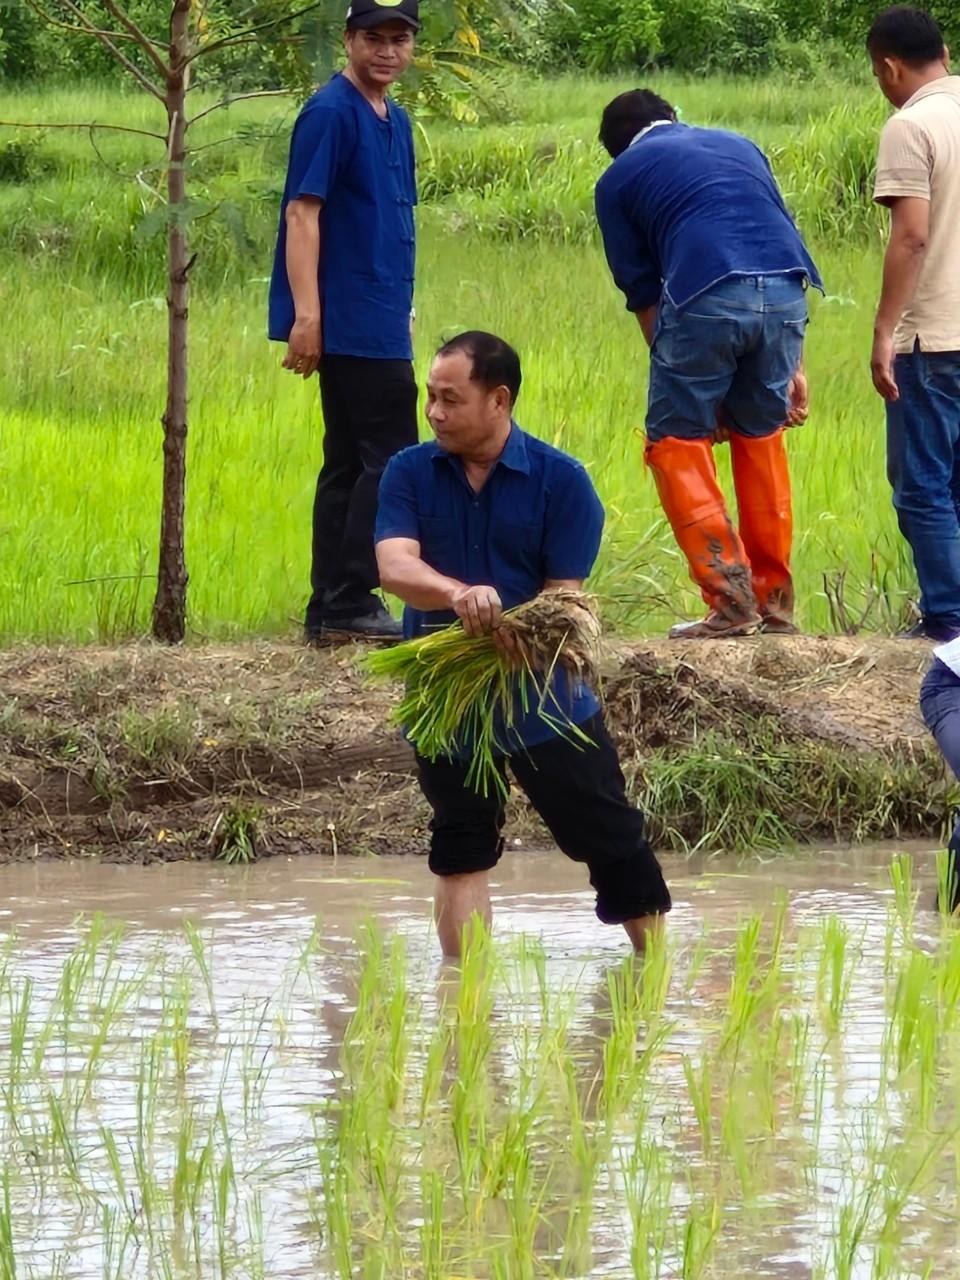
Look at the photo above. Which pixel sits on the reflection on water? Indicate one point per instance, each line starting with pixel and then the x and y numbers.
pixel 775 1096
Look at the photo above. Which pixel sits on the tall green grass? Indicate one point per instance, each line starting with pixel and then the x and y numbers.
pixel 507 243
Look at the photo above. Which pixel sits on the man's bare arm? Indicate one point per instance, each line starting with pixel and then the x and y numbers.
pixel 305 345
pixel 405 574
pixel 647 320
pixel 901 269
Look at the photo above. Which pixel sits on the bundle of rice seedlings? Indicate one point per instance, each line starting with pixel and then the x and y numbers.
pixel 460 689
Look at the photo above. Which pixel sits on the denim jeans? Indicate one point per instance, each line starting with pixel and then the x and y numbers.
pixel 940 708
pixel 923 465
pixel 729 355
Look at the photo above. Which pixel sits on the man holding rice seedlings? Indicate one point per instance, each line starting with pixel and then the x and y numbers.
pixel 477 522
pixel 700 242
pixel 915 361
pixel 341 298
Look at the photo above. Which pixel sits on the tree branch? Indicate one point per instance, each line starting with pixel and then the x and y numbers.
pixel 240 97
pixel 237 36
pixel 116 128
pixel 142 39
pixel 107 41
pixel 80 31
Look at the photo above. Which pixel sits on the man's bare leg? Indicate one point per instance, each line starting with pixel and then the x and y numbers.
pixel 643 929
pixel 455 900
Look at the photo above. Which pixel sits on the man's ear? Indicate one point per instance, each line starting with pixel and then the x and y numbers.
pixel 501 399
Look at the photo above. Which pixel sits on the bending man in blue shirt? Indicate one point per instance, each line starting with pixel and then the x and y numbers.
pixel 701 244
pixel 341 297
pixel 478 522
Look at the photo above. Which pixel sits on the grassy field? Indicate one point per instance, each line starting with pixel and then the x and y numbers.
pixel 507 243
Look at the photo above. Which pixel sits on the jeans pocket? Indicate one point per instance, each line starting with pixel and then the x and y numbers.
pixel 940 372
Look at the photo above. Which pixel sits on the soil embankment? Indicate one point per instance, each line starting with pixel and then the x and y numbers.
pixel 141 753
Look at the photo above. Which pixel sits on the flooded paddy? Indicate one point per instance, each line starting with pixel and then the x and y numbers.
pixel 267 1072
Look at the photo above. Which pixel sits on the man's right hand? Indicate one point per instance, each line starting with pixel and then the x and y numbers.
pixel 304 347
pixel 479 609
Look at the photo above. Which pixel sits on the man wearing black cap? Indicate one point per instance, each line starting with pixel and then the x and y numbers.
pixel 341 297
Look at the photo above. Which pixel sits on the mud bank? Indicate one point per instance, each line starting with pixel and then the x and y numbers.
pixel 141 753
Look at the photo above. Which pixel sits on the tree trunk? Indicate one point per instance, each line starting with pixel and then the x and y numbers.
pixel 170 604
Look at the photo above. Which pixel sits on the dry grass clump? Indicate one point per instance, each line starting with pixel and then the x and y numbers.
pixel 462 692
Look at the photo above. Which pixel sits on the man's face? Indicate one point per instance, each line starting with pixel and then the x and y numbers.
pixel 891 75
pixel 464 414
pixel 381 54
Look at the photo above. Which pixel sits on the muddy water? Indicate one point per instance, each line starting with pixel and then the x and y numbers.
pixel 271 996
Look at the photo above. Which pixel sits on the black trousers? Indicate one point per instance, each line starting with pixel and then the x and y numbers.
pixel 580 794
pixel 369 414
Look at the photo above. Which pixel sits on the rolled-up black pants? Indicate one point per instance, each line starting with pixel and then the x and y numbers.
pixel 579 792
pixel 369 414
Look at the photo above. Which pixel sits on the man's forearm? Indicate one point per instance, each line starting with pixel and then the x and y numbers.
pixel 417 585
pixel 647 319
pixel 303 264
pixel 901 270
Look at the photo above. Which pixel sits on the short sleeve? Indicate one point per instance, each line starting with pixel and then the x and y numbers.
pixel 397 508
pixel 573 524
pixel 904 161
pixel 323 140
pixel 634 271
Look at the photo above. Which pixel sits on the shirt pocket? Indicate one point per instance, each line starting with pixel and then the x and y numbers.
pixel 518 547
pixel 440 544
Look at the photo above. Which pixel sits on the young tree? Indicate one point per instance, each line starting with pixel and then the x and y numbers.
pixel 163 66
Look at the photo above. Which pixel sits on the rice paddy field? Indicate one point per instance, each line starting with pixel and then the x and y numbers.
pixel 506 243
pixel 267 1073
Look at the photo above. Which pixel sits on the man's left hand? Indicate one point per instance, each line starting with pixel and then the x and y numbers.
pixel 882 367
pixel 798 394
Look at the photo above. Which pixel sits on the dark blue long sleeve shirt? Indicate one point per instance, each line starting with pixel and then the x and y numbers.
pixel 684 208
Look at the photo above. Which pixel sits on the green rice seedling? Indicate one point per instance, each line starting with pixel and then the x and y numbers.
pixel 460 689
pixel 192 935
pixel 904 893
pixel 699 1086
pixel 8 1259
pixel 700 1230
pixel 946 881
pixel 235 833
pixel 834 973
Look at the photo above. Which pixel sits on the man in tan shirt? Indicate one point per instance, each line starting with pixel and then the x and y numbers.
pixel 916 347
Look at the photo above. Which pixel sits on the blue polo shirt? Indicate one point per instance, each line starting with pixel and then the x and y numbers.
pixel 683 209
pixel 537 517
pixel 362 168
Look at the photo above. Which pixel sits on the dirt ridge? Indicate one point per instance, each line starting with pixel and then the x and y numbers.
pixel 101 749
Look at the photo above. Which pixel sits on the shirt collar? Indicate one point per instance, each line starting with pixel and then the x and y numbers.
pixel 643 132
pixel 942 84
pixel 514 456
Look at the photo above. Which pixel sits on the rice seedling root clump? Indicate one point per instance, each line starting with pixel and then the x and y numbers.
pixel 465 693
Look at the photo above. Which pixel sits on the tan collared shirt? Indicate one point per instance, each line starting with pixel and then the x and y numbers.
pixel 920 156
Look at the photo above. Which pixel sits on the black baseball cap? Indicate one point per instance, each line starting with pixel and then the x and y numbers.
pixel 364 14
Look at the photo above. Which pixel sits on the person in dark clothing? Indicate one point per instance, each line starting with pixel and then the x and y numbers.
pixel 480 520
pixel 940 708
pixel 701 244
pixel 341 297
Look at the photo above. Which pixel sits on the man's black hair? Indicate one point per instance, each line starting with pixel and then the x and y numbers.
pixel 627 114
pixel 907 33
pixel 494 363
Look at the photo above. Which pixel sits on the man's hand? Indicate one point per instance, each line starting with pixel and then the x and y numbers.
pixel 304 347
pixel 479 609
pixel 798 394
pixel 882 366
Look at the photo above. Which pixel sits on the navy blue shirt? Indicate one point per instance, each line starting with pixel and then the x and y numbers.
pixel 362 168
pixel 537 517
pixel 683 208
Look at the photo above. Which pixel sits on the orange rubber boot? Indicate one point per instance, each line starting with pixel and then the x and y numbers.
pixel 761 477
pixel 693 502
